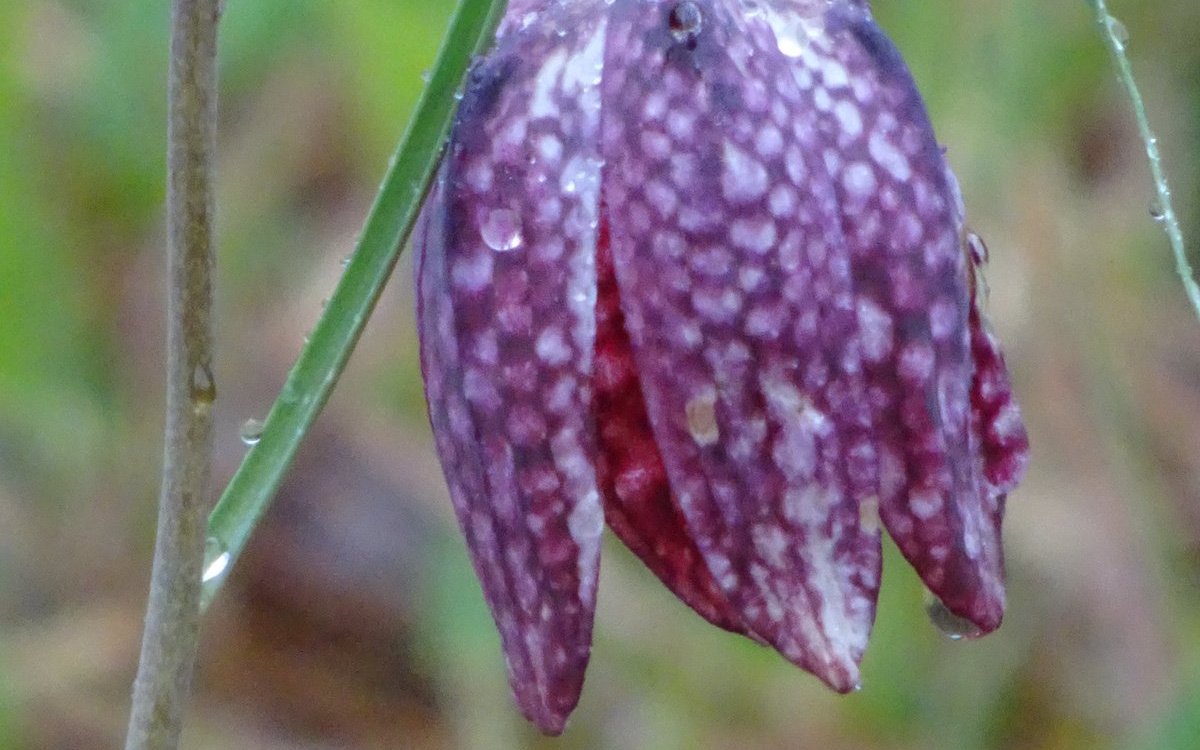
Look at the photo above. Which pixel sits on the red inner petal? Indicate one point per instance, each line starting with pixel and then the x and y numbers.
pixel 638 504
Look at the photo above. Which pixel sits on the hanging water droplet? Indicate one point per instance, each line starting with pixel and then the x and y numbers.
pixel 949 624
pixel 501 230
pixel 202 388
pixel 251 431
pixel 426 76
pixel 1157 212
pixel 1118 30
pixel 685 21
pixel 216 560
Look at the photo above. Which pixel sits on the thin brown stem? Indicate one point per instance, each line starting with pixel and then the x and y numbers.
pixel 173 612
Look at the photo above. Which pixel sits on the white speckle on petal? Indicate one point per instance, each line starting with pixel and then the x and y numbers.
pixel 547 79
pixel 701 414
pixel 743 178
pixel 889 157
pixel 925 503
pixel 472 273
pixel 782 201
pixel 916 362
pixel 756 235
pixel 549 148
pixel 875 328
pixel 769 141
pixel 849 118
pixel 552 348
pixel 859 181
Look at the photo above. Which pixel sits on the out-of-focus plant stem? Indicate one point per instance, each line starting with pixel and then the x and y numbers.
pixel 173 612
pixel 1116 37
pixel 329 345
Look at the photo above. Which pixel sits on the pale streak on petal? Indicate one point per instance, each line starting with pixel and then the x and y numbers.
pixel 743 439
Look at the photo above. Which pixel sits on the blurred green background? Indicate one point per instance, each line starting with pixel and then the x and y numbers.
pixel 354 619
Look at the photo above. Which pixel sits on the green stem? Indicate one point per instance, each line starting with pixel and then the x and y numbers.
pixel 1115 35
pixel 173 611
pixel 324 357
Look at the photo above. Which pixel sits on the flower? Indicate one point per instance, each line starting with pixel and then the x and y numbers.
pixel 698 269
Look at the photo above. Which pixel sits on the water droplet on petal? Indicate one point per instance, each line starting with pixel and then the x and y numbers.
pixel 216 561
pixel 251 432
pixel 501 230
pixel 949 624
pixel 685 21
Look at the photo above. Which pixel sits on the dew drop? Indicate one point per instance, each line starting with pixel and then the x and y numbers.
pixel 345 262
pixel 202 388
pixel 949 624
pixel 1157 212
pixel 251 431
pixel 426 76
pixel 216 561
pixel 501 230
pixel 1119 32
pixel 685 21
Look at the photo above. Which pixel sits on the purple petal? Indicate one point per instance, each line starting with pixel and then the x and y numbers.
pixel 507 295
pixel 739 301
pixel 638 503
pixel 995 416
pixel 940 496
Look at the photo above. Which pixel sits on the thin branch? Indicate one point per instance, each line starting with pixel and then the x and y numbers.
pixel 332 340
pixel 173 612
pixel 1116 36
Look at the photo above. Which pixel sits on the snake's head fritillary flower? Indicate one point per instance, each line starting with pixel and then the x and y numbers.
pixel 698 269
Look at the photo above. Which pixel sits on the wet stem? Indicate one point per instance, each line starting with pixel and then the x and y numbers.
pixel 173 611
pixel 1116 37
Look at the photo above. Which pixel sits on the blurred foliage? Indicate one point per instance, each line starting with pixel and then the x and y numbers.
pixel 355 620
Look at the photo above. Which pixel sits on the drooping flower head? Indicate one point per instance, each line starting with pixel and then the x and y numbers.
pixel 698 268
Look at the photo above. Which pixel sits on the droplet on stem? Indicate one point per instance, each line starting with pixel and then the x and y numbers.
pixel 216 560
pixel 251 432
pixel 203 389
pixel 1118 31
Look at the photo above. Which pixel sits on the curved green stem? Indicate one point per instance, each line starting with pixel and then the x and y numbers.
pixel 1116 37
pixel 329 346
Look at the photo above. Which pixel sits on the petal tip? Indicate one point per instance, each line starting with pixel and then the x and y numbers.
pixel 548 712
pixel 842 676
pixel 968 620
